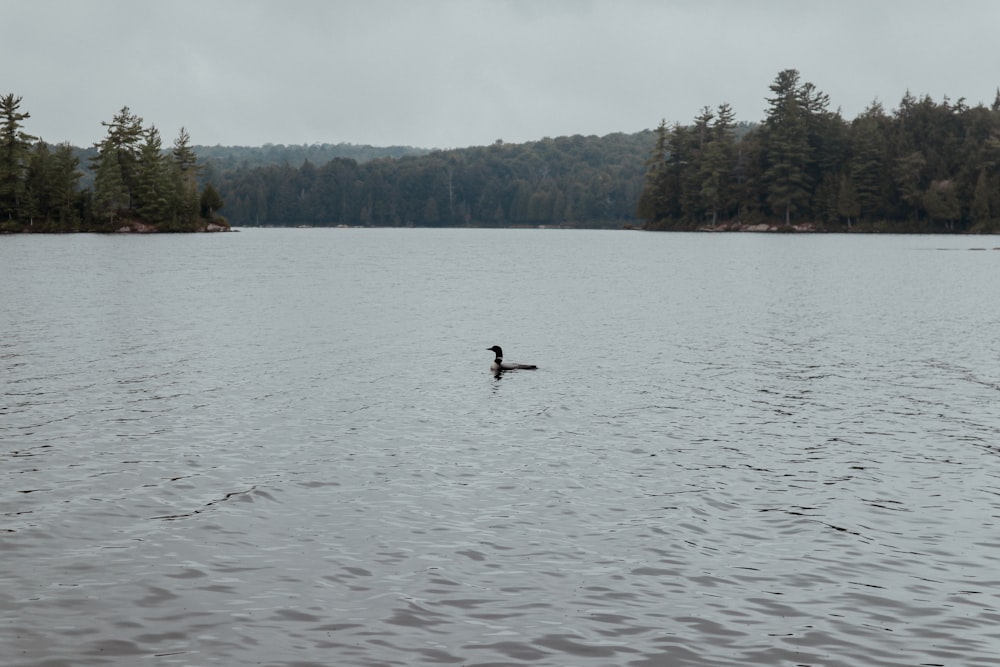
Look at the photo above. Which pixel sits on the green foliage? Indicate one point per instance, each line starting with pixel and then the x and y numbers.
pixel 156 196
pixel 117 165
pixel 228 158
pixel 210 202
pixel 15 147
pixel 928 167
pixel 787 149
pixel 52 198
pixel 185 170
pixel 694 174
pixel 571 181
pixel 136 183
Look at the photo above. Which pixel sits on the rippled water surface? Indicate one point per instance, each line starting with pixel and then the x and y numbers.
pixel 284 447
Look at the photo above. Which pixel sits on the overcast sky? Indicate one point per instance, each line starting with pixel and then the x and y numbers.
pixel 455 73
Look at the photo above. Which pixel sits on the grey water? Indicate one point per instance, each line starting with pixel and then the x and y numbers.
pixel 285 447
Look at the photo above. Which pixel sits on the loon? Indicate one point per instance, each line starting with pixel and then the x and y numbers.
pixel 500 365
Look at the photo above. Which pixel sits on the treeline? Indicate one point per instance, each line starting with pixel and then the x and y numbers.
pixel 137 184
pixel 925 167
pixel 573 181
pixel 227 158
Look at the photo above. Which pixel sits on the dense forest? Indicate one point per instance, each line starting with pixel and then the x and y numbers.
pixel 228 158
pixel 573 181
pixel 137 184
pixel 925 167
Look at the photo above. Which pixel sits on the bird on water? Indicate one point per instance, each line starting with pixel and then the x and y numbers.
pixel 499 365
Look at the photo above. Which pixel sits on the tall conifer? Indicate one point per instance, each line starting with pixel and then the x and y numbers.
pixel 787 147
pixel 15 150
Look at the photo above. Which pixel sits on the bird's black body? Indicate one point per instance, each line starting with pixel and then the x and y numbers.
pixel 499 365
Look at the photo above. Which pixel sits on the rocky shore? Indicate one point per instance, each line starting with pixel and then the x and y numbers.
pixel 760 227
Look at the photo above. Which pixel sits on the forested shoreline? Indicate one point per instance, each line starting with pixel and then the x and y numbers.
pixel 572 181
pixel 137 185
pixel 924 167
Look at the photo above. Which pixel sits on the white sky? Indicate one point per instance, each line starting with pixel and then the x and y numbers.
pixel 454 73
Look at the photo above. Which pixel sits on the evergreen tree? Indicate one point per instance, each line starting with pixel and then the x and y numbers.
pixel 210 202
pixel 36 198
pixel 116 165
pixel 867 163
pixel 186 172
pixel 15 149
pixel 717 166
pixel 111 194
pixel 909 178
pixel 64 189
pixel 677 196
pixel 51 194
pixel 155 193
pixel 786 144
pixel 982 212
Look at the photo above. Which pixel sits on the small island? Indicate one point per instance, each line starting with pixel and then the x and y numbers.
pixel 137 185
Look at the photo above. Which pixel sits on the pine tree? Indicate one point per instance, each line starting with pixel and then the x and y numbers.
pixel 35 201
pixel 786 147
pixel 15 150
pixel 185 167
pixel 51 195
pixel 154 189
pixel 116 165
pixel 717 165
pixel 868 160
pixel 64 189
pixel 111 194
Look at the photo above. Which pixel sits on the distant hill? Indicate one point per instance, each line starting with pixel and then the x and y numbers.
pixel 566 181
pixel 575 181
pixel 230 157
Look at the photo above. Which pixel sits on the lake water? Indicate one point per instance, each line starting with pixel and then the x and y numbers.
pixel 284 447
